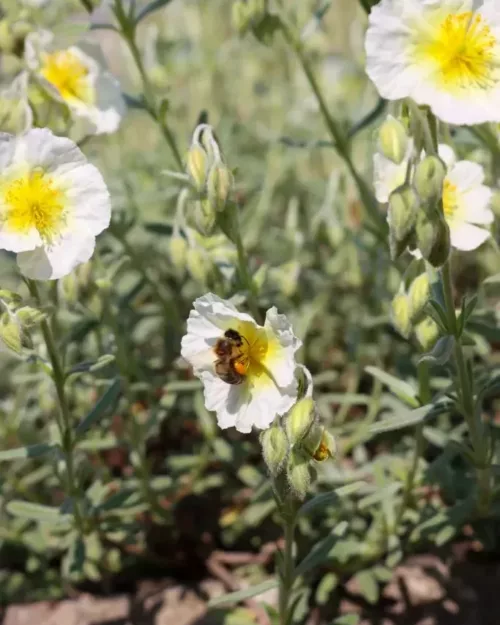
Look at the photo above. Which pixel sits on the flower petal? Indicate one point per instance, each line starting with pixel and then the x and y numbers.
pixel 282 345
pixel 467 237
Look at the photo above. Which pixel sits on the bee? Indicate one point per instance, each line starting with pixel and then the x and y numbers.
pixel 232 363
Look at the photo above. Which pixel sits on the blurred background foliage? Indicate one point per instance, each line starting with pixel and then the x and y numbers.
pixel 162 487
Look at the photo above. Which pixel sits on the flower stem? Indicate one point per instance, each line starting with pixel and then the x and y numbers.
pixel 466 404
pixel 338 136
pixel 244 271
pixel 128 33
pixel 288 568
pixel 64 424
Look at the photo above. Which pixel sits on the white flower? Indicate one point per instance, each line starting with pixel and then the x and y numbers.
pixel 53 203
pixel 15 112
pixel 268 385
pixel 466 200
pixel 442 53
pixel 78 80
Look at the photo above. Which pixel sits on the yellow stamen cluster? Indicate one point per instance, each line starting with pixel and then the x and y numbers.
pixel 32 201
pixel 463 51
pixel 66 72
pixel 450 199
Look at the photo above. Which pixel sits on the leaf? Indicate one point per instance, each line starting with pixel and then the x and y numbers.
pixel 116 500
pixel 245 593
pixel 152 6
pixel 325 587
pixel 158 227
pixel 368 586
pixel 437 312
pixel 106 401
pixel 368 119
pixel 318 554
pixel 468 306
pixel 325 499
pixel 401 389
pixel 31 451
pixel 347 619
pixel 380 494
pixel 441 352
pixel 35 511
pixel 399 422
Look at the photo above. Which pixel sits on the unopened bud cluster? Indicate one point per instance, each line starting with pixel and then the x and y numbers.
pixel 210 177
pixel 415 213
pixel 294 443
pixel 15 319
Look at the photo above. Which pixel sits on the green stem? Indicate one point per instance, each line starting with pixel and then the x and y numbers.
pixel 338 136
pixel 465 393
pixel 64 418
pixel 128 33
pixel 287 573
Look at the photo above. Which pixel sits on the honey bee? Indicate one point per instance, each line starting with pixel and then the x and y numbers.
pixel 232 363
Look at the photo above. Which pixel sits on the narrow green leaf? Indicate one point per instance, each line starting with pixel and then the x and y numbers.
pixel 325 499
pixel 116 500
pixel 368 586
pixel 380 494
pixel 35 511
pixel 347 619
pixel 399 422
pixel 441 352
pixel 106 401
pixel 31 451
pixel 241 595
pixel 318 554
pixel 406 392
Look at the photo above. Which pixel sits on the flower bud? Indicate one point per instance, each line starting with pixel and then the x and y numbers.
pixel 403 209
pixel 419 293
pixel 204 217
pixel 428 178
pixel 300 419
pixel 274 448
pixel 427 333
pixel 327 447
pixel 298 473
pixel 10 333
pixel 392 140
pixel 219 185
pixel 178 247
pixel 426 233
pixel 441 248
pixel 197 164
pixel 29 317
pixel 401 314
pixel 198 265
pixel 304 382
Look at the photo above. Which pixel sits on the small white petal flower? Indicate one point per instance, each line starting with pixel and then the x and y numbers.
pixel 268 386
pixel 77 79
pixel 15 112
pixel 53 203
pixel 442 53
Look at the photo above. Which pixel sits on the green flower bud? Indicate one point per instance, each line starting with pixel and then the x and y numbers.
pixel 219 185
pixel 327 447
pixel 10 333
pixel 427 333
pixel 429 177
pixel 178 247
pixel 392 140
pixel 204 217
pixel 300 419
pixel 29 317
pixel 401 314
pixel 441 248
pixel 240 17
pixel 198 265
pixel 274 448
pixel 256 9
pixel 196 165
pixel 419 293
pixel 426 231
pixel 403 209
pixel 298 473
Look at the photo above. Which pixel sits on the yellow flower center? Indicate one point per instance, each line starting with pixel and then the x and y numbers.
pixel 462 52
pixel 32 201
pixel 256 349
pixel 450 199
pixel 66 72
